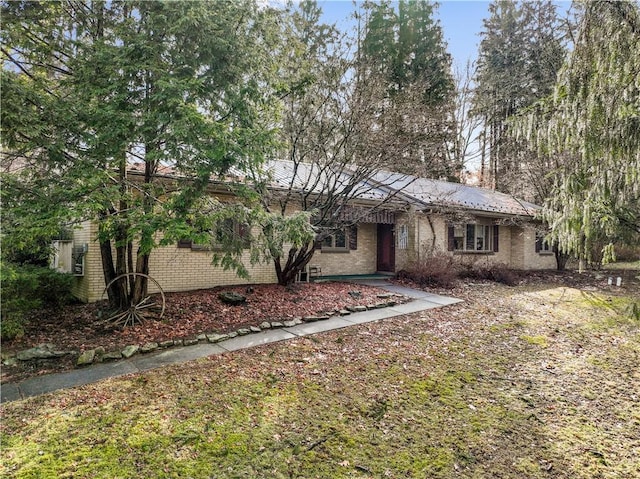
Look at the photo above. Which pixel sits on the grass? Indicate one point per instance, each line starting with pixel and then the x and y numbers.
pixel 527 384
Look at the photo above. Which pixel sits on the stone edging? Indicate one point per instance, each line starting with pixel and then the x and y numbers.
pixel 99 354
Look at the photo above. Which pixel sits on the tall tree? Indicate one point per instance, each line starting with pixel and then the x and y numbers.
pixel 402 55
pixel 465 143
pixel 592 122
pixel 520 54
pixel 90 87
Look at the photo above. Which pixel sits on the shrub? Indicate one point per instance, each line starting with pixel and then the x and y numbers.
pixel 25 288
pixel 54 288
pixel 498 272
pixel 435 270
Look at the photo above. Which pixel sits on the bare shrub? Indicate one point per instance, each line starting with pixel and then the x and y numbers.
pixel 435 270
pixel 498 272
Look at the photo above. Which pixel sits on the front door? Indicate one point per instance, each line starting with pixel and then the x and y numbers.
pixel 386 248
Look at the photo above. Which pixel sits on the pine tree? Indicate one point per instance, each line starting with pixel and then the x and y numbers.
pixel 402 57
pixel 520 54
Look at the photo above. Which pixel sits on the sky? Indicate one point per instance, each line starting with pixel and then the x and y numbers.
pixel 461 22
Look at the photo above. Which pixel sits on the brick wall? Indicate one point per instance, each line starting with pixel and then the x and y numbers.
pixel 184 269
pixel 531 259
pixel 359 261
pixel 516 246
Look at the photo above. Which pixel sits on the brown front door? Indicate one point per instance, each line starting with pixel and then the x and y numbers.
pixel 386 248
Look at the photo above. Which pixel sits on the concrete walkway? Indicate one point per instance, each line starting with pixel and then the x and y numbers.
pixel 78 377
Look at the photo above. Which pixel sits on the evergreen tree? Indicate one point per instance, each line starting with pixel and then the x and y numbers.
pixel 403 58
pixel 90 87
pixel 520 54
pixel 591 123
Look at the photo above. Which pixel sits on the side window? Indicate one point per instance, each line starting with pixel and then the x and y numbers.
pixel 227 231
pixel 542 245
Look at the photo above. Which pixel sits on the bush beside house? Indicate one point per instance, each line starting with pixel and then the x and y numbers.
pixel 28 287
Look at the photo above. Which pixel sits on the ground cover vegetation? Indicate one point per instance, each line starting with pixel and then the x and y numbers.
pixel 538 380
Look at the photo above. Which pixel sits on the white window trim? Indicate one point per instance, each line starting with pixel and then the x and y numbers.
pixel 333 248
pixel 461 236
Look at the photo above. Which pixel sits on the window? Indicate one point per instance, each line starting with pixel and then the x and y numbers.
pixel 403 237
pixel 228 231
pixel 543 246
pixel 335 241
pixel 474 237
pixel 340 240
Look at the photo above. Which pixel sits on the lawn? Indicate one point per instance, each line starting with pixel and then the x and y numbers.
pixel 536 381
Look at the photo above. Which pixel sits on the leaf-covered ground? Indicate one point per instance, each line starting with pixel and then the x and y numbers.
pixel 537 381
pixel 82 326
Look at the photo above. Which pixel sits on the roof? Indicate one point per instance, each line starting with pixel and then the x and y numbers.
pixel 314 178
pixel 421 192
pixel 435 193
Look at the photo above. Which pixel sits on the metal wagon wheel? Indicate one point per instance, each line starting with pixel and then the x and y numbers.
pixel 137 312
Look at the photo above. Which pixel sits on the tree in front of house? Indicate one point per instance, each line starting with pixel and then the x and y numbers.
pixel 181 88
pixel 591 123
pixel 327 156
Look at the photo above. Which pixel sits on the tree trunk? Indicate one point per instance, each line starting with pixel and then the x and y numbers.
pixel 561 258
pixel 141 283
pixel 297 259
pixel 117 292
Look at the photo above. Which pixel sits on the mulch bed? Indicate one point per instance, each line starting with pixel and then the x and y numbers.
pixel 81 327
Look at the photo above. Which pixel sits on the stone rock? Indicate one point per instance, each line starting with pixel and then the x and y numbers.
pixel 384 295
pixel 243 331
pixel 311 319
pixel 234 299
pixel 356 309
pixel 216 338
pixel 355 294
pixel 190 341
pixel 167 344
pixel 380 305
pixel 12 361
pixel 255 329
pixel 86 357
pixel 232 334
pixel 391 303
pixel 178 342
pixel 344 312
pixel 289 324
pixel 371 306
pixel 130 350
pixel 112 356
pixel 201 337
pixel 265 325
pixel 42 351
pixel 148 347
pixel 99 354
pixel 276 324
pixel 297 321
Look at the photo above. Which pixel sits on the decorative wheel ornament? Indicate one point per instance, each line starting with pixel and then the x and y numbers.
pixel 138 311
